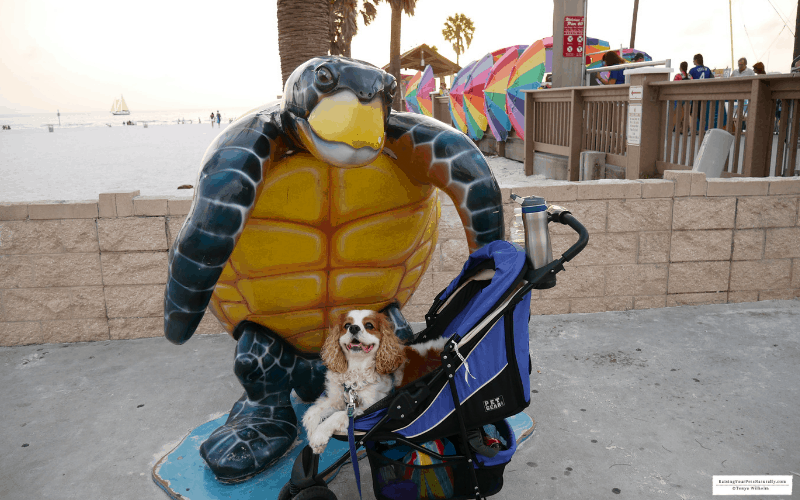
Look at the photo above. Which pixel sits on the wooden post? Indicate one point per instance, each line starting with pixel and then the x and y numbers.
pixel 575 129
pixel 759 131
pixel 567 71
pixel 633 23
pixel 643 132
pixel 529 137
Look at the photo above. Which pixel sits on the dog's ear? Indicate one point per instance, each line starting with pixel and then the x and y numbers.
pixel 391 353
pixel 331 353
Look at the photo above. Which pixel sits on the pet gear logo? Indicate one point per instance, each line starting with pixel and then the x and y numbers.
pixel 494 404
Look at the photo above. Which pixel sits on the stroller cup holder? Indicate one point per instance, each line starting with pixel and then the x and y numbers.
pixel 484 314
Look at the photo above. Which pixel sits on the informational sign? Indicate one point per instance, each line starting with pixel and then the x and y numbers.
pixel 634 132
pixel 635 93
pixel 573 36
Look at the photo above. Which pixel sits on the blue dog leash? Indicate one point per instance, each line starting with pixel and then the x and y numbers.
pixel 351 411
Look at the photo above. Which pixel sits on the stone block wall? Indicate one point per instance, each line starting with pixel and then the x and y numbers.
pixel 85 271
pixel 683 240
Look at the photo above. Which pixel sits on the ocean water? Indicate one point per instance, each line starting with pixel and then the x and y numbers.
pixel 105 118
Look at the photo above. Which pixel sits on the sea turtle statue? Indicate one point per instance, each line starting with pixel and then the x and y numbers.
pixel 324 202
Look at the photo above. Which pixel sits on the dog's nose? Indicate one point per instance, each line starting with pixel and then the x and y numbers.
pixel 354 329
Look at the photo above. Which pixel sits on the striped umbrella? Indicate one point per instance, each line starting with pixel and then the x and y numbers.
pixel 473 97
pixel 495 92
pixel 457 98
pixel 526 75
pixel 418 95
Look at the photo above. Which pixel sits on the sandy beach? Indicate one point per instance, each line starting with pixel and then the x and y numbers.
pixel 72 164
pixel 80 163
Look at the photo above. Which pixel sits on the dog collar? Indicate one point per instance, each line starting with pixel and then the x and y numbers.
pixel 350 395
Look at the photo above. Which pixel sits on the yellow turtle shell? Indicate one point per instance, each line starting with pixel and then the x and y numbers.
pixel 322 240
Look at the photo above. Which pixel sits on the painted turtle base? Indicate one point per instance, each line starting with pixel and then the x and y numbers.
pixel 183 475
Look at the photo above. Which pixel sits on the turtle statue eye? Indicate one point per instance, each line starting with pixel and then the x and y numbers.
pixel 325 79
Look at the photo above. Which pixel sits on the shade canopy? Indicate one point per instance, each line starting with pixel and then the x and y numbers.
pixel 421 56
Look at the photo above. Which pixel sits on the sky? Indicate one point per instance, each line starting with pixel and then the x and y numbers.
pixel 78 55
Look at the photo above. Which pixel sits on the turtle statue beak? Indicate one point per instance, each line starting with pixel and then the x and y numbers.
pixel 343 131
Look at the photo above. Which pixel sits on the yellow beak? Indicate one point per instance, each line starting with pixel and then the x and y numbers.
pixel 344 119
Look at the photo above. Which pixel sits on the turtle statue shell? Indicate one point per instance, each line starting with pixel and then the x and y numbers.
pixel 322 240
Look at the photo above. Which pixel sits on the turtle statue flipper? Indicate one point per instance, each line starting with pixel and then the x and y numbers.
pixel 232 172
pixel 262 424
pixel 444 157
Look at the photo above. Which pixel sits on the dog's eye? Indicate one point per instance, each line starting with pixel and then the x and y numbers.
pixel 369 326
pixel 347 326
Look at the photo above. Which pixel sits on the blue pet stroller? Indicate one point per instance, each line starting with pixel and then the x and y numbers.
pixel 445 435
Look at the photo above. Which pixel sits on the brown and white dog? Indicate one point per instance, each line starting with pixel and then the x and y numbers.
pixel 365 359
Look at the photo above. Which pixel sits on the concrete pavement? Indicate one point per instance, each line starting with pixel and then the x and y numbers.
pixel 635 404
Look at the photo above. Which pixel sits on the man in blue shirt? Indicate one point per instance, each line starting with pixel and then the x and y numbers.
pixel 699 71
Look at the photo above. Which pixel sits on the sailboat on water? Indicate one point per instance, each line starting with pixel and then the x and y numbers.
pixel 119 107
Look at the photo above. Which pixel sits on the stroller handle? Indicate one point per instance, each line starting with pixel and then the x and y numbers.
pixel 583 235
pixel 544 277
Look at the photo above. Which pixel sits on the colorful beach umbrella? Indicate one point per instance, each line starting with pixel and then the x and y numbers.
pixel 418 95
pixel 526 75
pixel 473 97
pixel 457 97
pixel 495 92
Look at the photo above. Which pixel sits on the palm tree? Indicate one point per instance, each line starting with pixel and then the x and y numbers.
pixel 344 23
pixel 303 32
pixel 458 29
pixel 398 7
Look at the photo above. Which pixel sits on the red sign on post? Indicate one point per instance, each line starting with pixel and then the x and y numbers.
pixel 573 36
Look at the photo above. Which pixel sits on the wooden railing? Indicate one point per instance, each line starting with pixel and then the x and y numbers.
pixel 762 112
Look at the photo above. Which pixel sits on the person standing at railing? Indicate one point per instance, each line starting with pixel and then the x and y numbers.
pixel 682 74
pixel 616 77
pixel 700 72
pixel 742 70
pixel 758 68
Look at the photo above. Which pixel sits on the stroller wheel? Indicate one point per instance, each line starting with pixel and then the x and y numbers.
pixel 312 493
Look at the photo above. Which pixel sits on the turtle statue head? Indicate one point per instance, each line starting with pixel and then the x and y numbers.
pixel 338 108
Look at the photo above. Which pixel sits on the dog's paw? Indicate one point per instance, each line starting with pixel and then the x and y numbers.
pixel 318 441
pixel 339 422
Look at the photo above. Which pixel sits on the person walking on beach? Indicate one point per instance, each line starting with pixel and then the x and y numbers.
pixel 212 119
pixel 700 72
pixel 683 75
pixel 219 118
pixel 742 70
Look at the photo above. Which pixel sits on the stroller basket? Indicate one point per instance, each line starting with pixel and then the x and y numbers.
pixel 421 440
pixel 400 472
